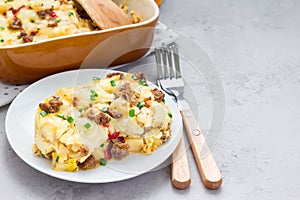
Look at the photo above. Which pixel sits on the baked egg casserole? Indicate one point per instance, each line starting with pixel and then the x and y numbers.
pixel 25 21
pixel 83 127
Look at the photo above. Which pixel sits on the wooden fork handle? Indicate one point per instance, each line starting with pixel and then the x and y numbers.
pixel 209 171
pixel 181 177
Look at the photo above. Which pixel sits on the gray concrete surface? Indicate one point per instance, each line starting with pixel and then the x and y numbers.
pixel 255 46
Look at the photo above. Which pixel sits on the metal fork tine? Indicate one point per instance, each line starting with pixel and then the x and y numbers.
pixel 170 60
pixel 165 63
pixel 176 61
pixel 158 63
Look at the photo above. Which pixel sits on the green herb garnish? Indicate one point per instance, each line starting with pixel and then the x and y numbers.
pixel 87 125
pixel 103 161
pixel 92 97
pixel 102 145
pixel 61 116
pixel 105 109
pixel 131 113
pixel 70 13
pixel 80 110
pixel 58 20
pixel 143 82
pixel 163 100
pixel 141 104
pixel 170 115
pixel 112 83
pixel 43 113
pixel 94 93
pixel 57 158
pixel 70 119
pixel 96 78
pixel 134 77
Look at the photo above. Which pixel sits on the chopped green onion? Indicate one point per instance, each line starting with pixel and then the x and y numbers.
pixel 87 125
pixel 61 116
pixel 70 119
pixel 96 78
pixel 170 115
pixel 58 20
pixel 32 20
pixel 163 100
pixel 131 112
pixel 2 40
pixel 105 109
pixel 143 82
pixel 70 13
pixel 94 93
pixel 134 77
pixel 57 158
pixel 43 113
pixel 102 145
pixel 112 83
pixel 141 104
pixel 103 161
pixel 38 28
pixel 92 97
pixel 80 110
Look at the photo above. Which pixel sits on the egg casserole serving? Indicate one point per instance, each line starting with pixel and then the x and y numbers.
pixel 82 127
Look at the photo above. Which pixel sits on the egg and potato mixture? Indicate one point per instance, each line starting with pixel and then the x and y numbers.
pixel 82 127
pixel 24 21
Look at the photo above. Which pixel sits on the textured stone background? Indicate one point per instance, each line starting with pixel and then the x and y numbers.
pixel 255 44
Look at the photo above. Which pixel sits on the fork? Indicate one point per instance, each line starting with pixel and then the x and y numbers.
pixel 170 80
pixel 181 177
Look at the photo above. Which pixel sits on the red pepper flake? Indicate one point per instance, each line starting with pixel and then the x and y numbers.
pixel 53 14
pixel 15 11
pixel 147 106
pixel 113 136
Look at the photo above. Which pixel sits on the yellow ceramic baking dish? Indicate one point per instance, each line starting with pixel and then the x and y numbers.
pixel 28 62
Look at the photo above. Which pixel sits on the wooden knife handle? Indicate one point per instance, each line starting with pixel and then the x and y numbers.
pixel 181 177
pixel 209 171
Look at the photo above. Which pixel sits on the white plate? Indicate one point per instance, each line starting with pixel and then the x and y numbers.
pixel 19 126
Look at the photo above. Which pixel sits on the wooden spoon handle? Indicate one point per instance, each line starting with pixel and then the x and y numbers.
pixel 181 177
pixel 105 13
pixel 209 171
